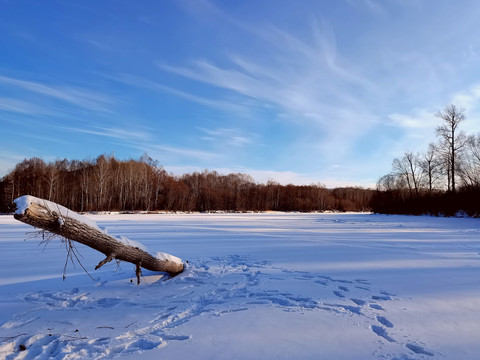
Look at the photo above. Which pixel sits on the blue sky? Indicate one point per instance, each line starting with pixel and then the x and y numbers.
pixel 294 91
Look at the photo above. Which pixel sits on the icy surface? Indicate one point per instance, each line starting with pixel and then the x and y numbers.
pixel 257 286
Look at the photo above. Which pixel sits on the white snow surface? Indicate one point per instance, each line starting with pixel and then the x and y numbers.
pixel 127 241
pixel 257 286
pixel 167 257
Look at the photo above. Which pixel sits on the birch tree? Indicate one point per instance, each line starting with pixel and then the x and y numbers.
pixel 453 139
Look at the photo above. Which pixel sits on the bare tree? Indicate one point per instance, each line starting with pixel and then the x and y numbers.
pixel 407 168
pixel 452 138
pixel 387 183
pixel 470 169
pixel 52 175
pixel 430 165
pixel 110 184
pixel 101 177
pixel 413 164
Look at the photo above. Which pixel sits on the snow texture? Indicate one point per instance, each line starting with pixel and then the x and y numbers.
pixel 257 286
pixel 167 257
pixel 127 241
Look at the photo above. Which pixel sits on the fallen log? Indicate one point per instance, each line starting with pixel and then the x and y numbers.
pixel 59 220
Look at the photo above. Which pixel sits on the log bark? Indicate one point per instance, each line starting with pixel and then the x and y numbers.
pixel 43 217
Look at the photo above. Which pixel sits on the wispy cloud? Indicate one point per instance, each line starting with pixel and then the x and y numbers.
pixel 419 120
pixel 21 107
pixel 139 82
pixel 416 129
pixel 80 97
pixel 307 81
pixel 469 98
pixel 258 176
pixel 96 42
pixel 301 76
pixel 286 60
pixel 126 134
pixel 308 78
pixel 173 153
pixel 8 160
pixel 300 80
pixel 370 5
pixel 224 78
pixel 232 137
pixel 281 177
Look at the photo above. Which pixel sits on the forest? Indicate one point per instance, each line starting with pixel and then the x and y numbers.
pixel 443 180
pixel 108 184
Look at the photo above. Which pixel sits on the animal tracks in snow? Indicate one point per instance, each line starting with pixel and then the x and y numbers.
pixel 64 324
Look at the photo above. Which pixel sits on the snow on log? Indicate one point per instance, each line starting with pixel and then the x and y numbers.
pixel 59 220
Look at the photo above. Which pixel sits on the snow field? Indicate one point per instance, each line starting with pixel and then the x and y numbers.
pixel 257 286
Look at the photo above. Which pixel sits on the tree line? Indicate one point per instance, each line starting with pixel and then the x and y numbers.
pixel 444 179
pixel 108 184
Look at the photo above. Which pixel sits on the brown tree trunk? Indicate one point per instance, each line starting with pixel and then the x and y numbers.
pixel 44 217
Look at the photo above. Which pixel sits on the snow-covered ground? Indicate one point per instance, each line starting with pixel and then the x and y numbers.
pixel 257 286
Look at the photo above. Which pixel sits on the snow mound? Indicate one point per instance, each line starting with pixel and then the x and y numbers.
pixel 127 241
pixel 167 257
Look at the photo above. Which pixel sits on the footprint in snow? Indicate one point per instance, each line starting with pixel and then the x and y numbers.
pixel 214 287
pixel 359 302
pixel 417 349
pixel 384 321
pixel 363 288
pixel 382 332
pixel 362 281
pixel 351 309
pixel 376 307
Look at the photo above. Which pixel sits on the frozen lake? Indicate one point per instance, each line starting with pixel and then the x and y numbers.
pixel 257 286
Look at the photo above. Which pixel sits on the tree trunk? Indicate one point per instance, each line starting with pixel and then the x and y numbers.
pixel 41 214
